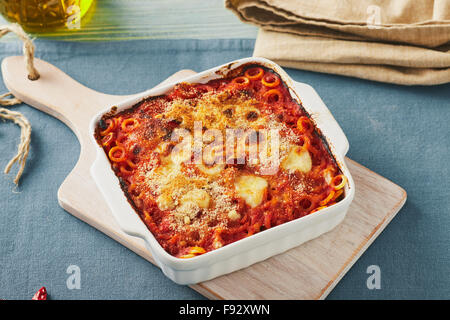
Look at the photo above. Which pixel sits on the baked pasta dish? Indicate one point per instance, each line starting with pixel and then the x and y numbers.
pixel 208 164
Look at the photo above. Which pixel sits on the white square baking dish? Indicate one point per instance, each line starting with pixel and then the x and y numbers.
pixel 257 247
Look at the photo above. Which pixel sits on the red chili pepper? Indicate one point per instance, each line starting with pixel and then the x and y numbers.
pixel 41 294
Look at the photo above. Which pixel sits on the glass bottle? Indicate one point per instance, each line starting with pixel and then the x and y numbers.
pixel 44 15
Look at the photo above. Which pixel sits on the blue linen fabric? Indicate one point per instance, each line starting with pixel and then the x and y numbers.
pixel 400 132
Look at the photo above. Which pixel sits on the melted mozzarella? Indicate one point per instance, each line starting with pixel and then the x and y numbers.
pixel 233 215
pixel 251 189
pixel 211 171
pixel 298 159
pixel 198 196
pixel 166 173
pixel 165 202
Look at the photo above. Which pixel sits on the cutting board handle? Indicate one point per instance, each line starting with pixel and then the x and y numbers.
pixel 54 92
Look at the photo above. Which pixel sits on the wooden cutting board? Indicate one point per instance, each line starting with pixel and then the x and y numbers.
pixel 309 271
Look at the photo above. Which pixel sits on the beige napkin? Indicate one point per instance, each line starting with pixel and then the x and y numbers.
pixel 398 41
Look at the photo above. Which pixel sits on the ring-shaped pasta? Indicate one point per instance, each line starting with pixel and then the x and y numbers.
pixel 337 194
pixel 125 169
pixel 318 208
pixel 111 126
pixel 203 88
pixel 197 250
pixel 270 80
pixel 131 164
pixel 273 95
pixel 304 125
pixel 327 199
pixel 132 190
pixel 121 138
pixel 241 81
pixel 338 182
pixel 255 73
pixel 305 142
pixel 306 203
pixel 118 121
pixel 108 139
pixel 117 158
pixel 129 124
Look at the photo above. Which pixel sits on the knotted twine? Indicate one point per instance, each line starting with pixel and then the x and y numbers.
pixel 25 128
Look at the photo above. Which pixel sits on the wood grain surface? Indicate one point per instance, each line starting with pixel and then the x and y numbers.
pixel 155 19
pixel 309 271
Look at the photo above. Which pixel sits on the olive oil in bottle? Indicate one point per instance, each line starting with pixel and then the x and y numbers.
pixel 45 15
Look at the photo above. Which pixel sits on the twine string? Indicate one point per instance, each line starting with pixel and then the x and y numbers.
pixel 18 118
pixel 23 147
pixel 28 47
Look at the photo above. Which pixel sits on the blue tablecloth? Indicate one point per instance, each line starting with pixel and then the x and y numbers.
pixel 400 132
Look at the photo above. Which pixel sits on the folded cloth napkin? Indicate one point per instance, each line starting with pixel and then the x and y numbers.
pixel 398 41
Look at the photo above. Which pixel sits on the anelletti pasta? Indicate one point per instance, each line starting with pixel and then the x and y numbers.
pixel 193 162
